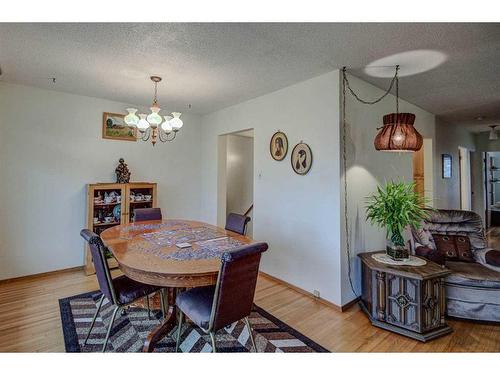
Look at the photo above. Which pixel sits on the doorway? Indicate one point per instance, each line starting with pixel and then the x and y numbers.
pixel 236 176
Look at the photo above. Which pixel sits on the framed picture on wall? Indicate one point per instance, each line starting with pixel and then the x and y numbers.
pixel 302 158
pixel 278 147
pixel 446 165
pixel 114 127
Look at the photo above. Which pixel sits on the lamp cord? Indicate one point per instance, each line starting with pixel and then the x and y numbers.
pixel 345 84
pixel 387 92
pixel 344 170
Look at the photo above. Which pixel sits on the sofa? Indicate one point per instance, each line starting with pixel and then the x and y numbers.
pixel 456 239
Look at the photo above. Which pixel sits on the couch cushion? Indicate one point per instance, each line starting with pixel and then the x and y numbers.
pixel 454 247
pixel 457 222
pixel 492 257
pixel 472 274
pixel 196 303
pixel 423 237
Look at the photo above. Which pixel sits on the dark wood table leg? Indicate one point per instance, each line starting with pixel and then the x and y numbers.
pixel 166 326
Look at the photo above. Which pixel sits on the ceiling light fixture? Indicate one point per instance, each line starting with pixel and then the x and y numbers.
pixel 397 133
pixel 493 134
pixel 148 126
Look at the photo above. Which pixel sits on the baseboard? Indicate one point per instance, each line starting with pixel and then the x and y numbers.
pixel 309 294
pixel 49 273
pixel 348 305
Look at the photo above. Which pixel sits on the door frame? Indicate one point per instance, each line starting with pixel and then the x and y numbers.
pixel 465 180
pixel 222 173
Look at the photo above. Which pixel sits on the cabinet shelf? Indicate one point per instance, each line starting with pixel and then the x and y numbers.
pixel 106 204
pixel 95 210
pixel 106 224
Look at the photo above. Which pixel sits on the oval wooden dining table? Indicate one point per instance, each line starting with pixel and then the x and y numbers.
pixel 147 252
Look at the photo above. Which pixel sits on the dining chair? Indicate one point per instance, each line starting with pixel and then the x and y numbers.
pixel 230 300
pixel 144 214
pixel 237 223
pixel 120 291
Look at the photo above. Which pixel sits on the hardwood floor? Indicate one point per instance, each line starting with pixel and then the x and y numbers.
pixel 30 321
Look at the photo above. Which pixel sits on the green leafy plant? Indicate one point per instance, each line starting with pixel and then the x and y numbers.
pixel 396 206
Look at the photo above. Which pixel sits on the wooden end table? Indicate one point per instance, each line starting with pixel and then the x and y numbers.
pixel 409 300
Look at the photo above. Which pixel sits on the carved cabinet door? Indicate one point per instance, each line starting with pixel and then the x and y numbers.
pixel 433 304
pixel 403 302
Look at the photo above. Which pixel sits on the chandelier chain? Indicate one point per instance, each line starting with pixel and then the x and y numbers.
pixel 155 101
pixel 397 90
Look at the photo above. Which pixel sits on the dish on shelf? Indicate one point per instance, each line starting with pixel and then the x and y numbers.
pixel 117 212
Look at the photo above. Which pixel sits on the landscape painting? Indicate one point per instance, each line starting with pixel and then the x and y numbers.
pixel 114 127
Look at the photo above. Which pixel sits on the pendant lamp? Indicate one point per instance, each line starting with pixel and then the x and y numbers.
pixel 398 133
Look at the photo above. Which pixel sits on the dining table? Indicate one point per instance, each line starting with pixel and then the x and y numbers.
pixel 174 254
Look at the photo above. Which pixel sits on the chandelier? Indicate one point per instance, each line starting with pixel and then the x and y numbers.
pixel 153 126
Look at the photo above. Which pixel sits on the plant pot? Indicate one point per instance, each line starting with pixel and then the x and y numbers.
pixel 396 252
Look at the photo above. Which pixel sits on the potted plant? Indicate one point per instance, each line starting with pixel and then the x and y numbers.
pixel 395 207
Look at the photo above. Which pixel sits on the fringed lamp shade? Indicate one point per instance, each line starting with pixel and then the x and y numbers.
pixel 398 134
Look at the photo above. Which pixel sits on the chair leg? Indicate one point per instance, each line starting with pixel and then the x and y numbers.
pixel 93 320
pixel 179 329
pixel 109 328
pixel 147 306
pixel 212 337
pixel 249 327
pixel 162 303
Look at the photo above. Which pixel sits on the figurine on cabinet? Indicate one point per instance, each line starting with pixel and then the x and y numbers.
pixel 122 172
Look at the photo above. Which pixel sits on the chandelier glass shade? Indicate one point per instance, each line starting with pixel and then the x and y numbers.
pixel 398 134
pixel 154 126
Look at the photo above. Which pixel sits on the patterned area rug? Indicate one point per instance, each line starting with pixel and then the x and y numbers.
pixel 131 329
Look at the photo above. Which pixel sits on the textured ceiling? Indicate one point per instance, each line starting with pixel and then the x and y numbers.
pixel 214 65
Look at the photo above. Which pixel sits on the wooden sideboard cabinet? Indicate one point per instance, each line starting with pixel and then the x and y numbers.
pixel 116 210
pixel 408 300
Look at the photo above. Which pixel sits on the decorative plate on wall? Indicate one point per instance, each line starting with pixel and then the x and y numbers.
pixel 302 158
pixel 278 147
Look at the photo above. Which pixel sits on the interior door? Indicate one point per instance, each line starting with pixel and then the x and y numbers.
pixel 418 171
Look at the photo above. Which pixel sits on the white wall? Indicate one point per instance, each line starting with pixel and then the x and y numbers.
pixel 367 168
pixel 50 148
pixel 239 176
pixel 448 138
pixel 297 215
